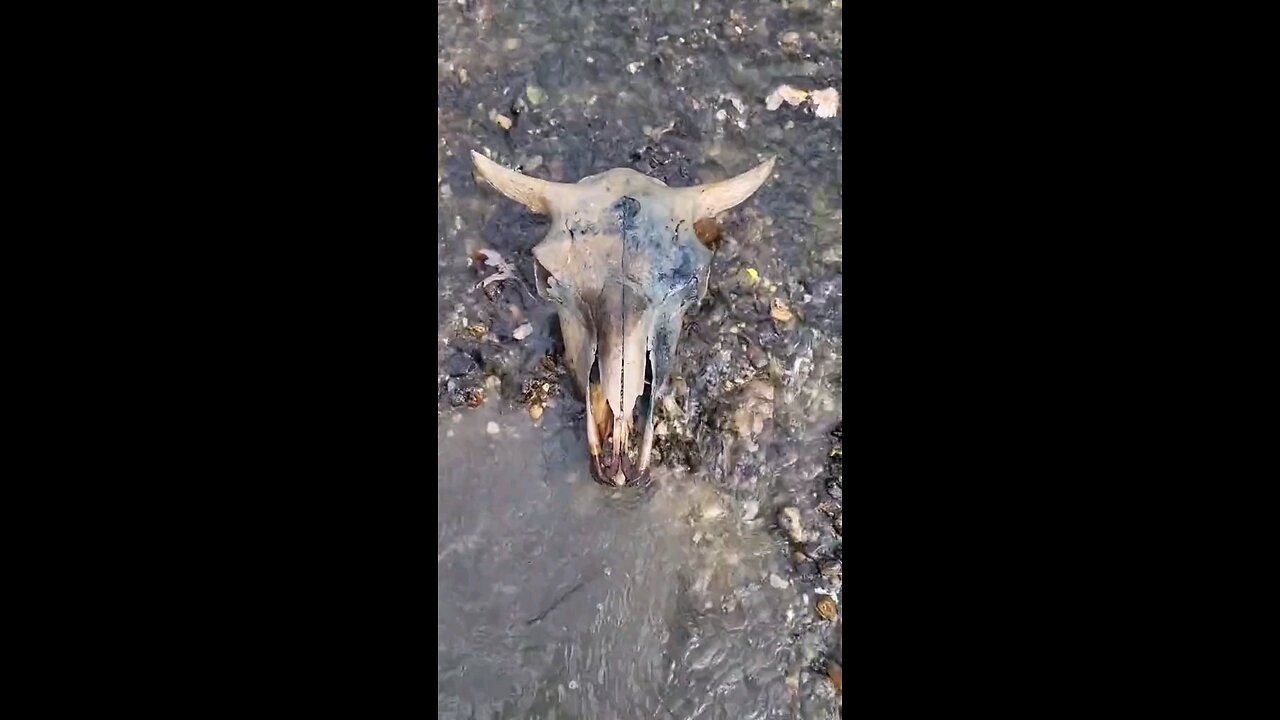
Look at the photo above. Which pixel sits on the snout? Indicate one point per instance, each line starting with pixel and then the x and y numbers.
pixel 620 447
pixel 618 471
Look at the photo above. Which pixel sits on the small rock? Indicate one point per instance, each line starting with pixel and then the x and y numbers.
pixel 789 521
pixel 778 582
pixel 634 67
pixel 827 608
pixel 535 411
pixel 779 311
pixel 533 163
pixel 535 94
pixel 750 509
pixel 460 364
pixel 790 41
pixel 512 43
pixel 492 428
pixel 522 332
pixel 492 382
pixel 712 511
pixel 805 568
pixel 833 489
pixel 503 121
pixel 834 673
pixel 838 523
pixel 757 357
pixel 829 568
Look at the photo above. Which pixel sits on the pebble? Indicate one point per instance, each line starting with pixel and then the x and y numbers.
pixel 493 428
pixel 535 94
pixel 750 509
pixel 712 511
pixel 779 311
pixel 778 582
pixel 833 489
pixel 523 331
pixel 789 520
pixel 460 364
pixel 827 608
pixel 535 411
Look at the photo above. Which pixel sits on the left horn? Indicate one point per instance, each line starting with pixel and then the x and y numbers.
pixel 531 192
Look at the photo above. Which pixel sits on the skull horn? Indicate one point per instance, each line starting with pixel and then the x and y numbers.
pixel 714 198
pixel 531 192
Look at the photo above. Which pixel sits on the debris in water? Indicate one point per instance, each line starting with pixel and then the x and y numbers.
pixel 827 608
pixel 493 259
pixel 522 332
pixel 779 311
pixel 493 428
pixel 753 276
pixel 826 102
pixel 501 120
pixel 655 134
pixel 512 43
pixel 787 94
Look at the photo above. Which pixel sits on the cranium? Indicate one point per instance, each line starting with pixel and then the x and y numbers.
pixel 622 262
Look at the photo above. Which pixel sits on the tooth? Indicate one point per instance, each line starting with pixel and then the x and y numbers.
pixel 601 413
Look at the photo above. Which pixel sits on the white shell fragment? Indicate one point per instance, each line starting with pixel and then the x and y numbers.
pixel 787 94
pixel 825 102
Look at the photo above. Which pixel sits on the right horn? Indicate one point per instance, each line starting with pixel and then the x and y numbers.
pixel 714 198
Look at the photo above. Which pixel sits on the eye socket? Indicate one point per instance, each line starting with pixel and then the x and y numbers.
pixel 545 282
